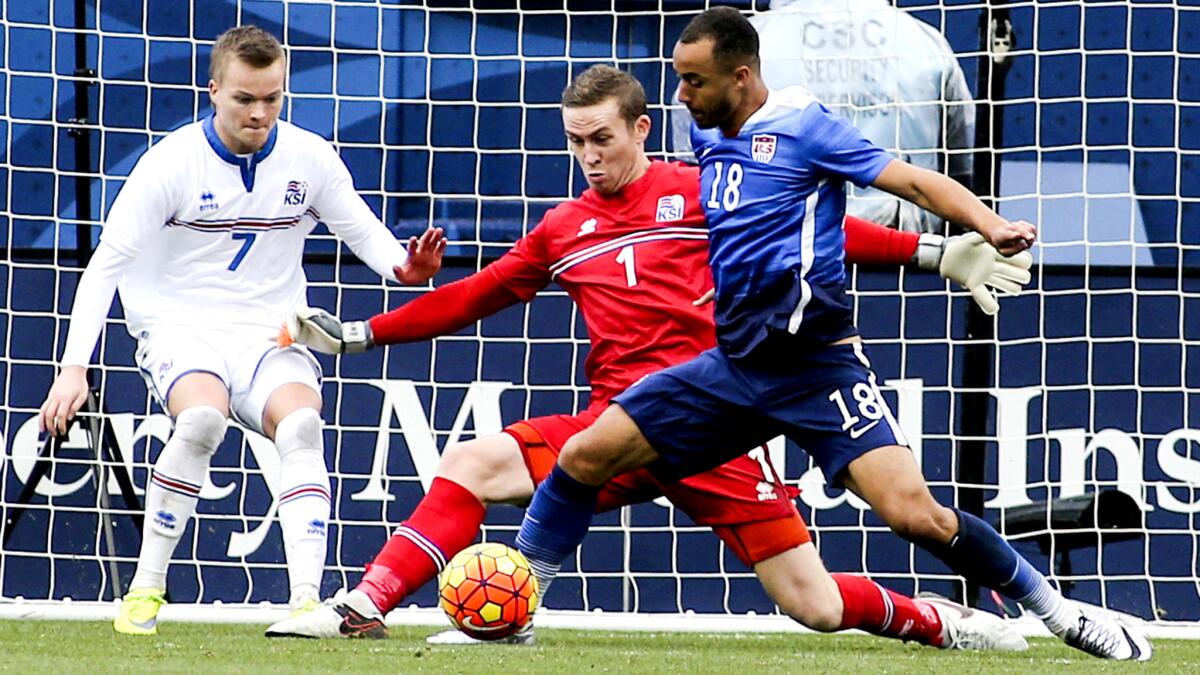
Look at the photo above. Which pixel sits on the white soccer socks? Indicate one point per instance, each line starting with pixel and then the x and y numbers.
pixel 174 488
pixel 304 501
pixel 1047 604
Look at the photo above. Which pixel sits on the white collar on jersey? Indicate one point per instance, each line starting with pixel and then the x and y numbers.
pixel 765 109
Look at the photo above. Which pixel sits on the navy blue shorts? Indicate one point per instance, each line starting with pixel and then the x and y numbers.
pixel 700 413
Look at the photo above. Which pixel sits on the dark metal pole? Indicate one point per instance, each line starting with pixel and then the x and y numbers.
pixel 978 354
pixel 103 440
pixel 84 79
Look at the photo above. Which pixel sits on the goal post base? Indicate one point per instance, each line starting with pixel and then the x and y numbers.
pixel 265 614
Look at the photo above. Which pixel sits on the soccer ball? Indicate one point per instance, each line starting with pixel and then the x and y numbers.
pixel 488 591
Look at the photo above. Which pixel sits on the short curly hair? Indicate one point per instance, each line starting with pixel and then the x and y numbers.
pixel 735 42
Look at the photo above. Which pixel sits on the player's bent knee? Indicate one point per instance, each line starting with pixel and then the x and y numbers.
pixel 797 581
pixel 812 606
pixel 200 428
pixel 459 461
pixel 909 510
pixel 611 446
pixel 491 468
pixel 931 523
pixel 818 617
pixel 813 603
pixel 468 464
pixel 586 466
pixel 299 431
pixel 589 459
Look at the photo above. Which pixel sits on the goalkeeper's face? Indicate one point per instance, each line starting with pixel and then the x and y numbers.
pixel 247 100
pixel 610 150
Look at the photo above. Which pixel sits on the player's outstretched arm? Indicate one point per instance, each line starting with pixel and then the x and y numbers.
pixel 965 259
pixel 439 312
pixel 945 197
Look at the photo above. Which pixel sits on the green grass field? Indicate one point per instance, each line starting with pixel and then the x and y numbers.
pixel 54 647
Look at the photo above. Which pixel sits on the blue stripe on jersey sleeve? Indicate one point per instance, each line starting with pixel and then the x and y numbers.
pixel 838 147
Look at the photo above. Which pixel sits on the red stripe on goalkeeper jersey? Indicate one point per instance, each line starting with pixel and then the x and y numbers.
pixel 866 243
pixel 176 485
pixel 658 234
pixel 305 490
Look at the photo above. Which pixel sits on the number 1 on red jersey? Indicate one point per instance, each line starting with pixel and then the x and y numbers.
pixel 626 257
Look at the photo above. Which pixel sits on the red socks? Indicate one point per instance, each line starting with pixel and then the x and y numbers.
pixel 448 518
pixel 444 523
pixel 874 609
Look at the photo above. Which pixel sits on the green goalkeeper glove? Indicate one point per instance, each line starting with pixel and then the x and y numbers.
pixel 969 260
pixel 322 332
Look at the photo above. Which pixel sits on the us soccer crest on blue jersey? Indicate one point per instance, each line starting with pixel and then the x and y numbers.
pixel 775 201
pixel 762 147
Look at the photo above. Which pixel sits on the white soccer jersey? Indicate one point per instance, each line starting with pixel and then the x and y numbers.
pixel 208 238
pixel 890 74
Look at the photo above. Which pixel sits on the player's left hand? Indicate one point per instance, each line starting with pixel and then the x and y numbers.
pixel 324 332
pixel 706 298
pixel 969 260
pixel 424 257
pixel 1010 237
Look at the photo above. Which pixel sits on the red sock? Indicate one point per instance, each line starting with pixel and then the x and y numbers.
pixel 444 523
pixel 870 607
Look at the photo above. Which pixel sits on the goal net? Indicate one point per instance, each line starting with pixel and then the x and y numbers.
pixel 446 112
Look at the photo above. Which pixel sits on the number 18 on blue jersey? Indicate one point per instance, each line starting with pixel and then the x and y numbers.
pixel 775 200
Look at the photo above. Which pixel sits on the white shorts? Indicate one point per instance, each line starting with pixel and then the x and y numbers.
pixel 247 360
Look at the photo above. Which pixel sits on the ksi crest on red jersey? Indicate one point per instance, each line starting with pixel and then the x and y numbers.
pixel 670 208
pixel 762 147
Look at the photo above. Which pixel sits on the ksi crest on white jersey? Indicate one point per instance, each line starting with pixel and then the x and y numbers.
pixel 297 191
pixel 762 147
pixel 670 208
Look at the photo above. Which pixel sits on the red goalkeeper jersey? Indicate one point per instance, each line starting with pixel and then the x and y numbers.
pixel 633 262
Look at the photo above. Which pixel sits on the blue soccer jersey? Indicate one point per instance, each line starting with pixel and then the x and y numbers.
pixel 775 201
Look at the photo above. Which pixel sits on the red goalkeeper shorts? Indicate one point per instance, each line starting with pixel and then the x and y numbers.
pixel 742 501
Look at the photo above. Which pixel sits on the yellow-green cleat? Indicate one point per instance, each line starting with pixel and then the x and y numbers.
pixel 304 607
pixel 139 612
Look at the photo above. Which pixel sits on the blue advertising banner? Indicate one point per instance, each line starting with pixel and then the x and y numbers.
pixel 1072 413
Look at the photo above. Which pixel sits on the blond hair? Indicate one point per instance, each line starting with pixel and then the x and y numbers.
pixel 249 44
